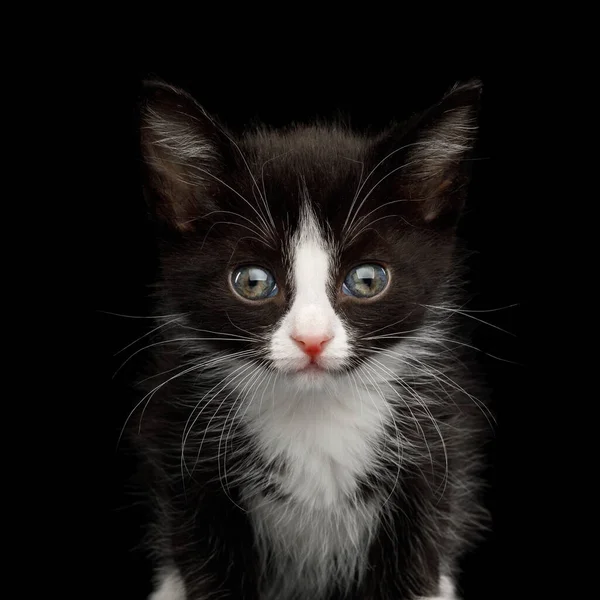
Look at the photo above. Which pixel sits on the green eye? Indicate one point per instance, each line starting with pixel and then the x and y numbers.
pixel 254 283
pixel 365 281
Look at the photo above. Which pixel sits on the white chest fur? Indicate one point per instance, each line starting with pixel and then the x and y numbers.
pixel 327 438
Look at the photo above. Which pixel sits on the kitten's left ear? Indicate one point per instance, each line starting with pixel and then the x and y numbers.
pixel 185 153
pixel 434 164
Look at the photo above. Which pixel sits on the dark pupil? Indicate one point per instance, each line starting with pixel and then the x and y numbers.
pixel 257 279
pixel 367 281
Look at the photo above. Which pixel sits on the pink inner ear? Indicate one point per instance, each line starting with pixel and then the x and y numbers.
pixel 434 205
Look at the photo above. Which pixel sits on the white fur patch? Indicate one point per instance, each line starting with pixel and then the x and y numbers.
pixel 325 428
pixel 326 437
pixel 327 440
pixel 179 138
pixel 446 591
pixel 311 313
pixel 170 586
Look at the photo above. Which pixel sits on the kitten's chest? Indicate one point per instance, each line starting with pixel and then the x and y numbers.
pixel 327 440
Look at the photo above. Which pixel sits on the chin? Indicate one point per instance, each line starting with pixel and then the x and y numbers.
pixel 313 377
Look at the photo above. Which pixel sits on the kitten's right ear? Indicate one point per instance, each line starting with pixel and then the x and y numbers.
pixel 183 150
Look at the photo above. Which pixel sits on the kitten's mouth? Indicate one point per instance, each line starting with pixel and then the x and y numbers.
pixel 311 367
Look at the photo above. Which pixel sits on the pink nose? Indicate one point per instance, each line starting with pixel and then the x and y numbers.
pixel 312 345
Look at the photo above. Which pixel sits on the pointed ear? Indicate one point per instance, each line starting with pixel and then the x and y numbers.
pixel 435 164
pixel 183 150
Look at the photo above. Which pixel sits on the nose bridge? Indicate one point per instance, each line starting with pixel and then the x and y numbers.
pixel 312 318
pixel 311 311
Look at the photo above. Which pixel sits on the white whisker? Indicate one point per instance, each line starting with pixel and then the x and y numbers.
pixel 153 317
pixel 253 227
pixel 428 412
pixel 189 425
pixel 180 340
pixel 146 335
pixel 362 185
pixel 466 314
pixel 242 397
pixel 261 239
pixel 207 172
pixel 436 374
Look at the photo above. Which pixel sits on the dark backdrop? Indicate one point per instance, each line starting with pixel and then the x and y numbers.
pixel 368 94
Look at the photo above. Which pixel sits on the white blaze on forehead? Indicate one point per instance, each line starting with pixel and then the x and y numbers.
pixel 311 311
pixel 169 586
pixel 322 427
pixel 310 314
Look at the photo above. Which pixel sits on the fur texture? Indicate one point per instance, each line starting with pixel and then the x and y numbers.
pixel 275 474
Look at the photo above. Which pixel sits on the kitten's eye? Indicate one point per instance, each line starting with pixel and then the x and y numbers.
pixel 254 283
pixel 365 281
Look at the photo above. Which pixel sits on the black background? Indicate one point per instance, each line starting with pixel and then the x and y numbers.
pixel 367 93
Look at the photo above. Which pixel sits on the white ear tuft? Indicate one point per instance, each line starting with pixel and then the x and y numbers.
pixel 438 160
pixel 183 150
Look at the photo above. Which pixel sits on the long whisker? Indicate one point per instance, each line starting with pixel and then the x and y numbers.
pixel 261 239
pixel 377 389
pixel 379 207
pixel 396 437
pixel 254 228
pixel 445 380
pixel 264 391
pixel 483 310
pixel 176 340
pixel 236 335
pixel 149 396
pixel 238 401
pixel 200 366
pixel 415 420
pixel 189 425
pixel 441 341
pixel 362 185
pixel 269 371
pixel 466 314
pixel 428 412
pixel 404 166
pixel 114 314
pixel 146 335
pixel 232 141
pixel 210 362
pixel 218 409
pixel 263 197
pixel 443 377
pixel 370 226
pixel 391 324
pixel 207 172
pixel 437 323
pixel 385 336
pixel 252 335
pixel 257 384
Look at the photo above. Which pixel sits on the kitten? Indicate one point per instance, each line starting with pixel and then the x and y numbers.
pixel 309 428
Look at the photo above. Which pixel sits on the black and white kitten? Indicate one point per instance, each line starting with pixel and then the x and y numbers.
pixel 309 430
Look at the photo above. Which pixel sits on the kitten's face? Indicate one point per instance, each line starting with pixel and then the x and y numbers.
pixel 307 251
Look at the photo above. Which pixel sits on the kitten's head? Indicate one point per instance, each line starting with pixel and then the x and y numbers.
pixel 308 249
